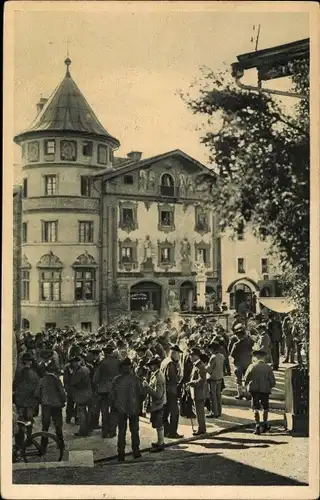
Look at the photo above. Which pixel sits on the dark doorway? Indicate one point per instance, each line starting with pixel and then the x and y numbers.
pixel 145 296
pixel 187 295
pixel 240 293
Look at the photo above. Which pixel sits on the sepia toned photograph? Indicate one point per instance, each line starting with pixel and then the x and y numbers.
pixel 159 330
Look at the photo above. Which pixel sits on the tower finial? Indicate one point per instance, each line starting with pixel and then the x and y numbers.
pixel 67 62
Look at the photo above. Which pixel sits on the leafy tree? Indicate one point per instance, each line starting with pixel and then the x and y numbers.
pixel 260 156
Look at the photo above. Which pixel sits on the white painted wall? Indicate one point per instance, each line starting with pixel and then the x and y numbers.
pixel 252 249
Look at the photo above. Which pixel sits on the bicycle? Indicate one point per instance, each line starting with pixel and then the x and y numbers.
pixel 37 446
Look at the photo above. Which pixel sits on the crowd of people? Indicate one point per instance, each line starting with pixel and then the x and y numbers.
pixel 123 371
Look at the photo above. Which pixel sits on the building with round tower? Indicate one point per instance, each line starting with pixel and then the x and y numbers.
pixel 61 237
pixel 98 235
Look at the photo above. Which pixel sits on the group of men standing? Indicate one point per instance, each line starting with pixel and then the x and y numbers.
pixel 123 372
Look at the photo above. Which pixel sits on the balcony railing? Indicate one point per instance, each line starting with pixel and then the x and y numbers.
pixel 169 191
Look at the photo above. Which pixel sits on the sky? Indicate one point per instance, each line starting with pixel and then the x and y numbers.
pixel 129 66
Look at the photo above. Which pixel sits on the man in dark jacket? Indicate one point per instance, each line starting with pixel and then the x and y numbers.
pixel 198 388
pixel 126 392
pixel 242 357
pixel 274 328
pixel 171 370
pixel 93 361
pixel 70 407
pixel 52 397
pixel 24 386
pixel 105 372
pixel 81 390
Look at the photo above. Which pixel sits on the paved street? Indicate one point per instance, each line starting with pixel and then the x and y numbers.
pixel 235 458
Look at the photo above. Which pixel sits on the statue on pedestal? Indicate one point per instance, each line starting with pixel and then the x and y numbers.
pixel 148 250
pixel 200 268
pixel 185 250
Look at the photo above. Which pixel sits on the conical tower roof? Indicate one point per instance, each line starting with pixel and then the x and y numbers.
pixel 67 111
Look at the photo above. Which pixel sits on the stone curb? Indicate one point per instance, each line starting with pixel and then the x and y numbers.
pixel 234 428
pixel 82 458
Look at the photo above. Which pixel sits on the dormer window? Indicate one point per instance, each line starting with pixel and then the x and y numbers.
pixel 49 147
pixel 87 148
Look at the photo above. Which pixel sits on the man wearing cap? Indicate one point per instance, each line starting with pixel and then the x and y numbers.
pixel 156 389
pixel 105 372
pixel 260 380
pixel 198 388
pixel 80 382
pixel 170 367
pixel 52 397
pixel 126 394
pixel 242 358
pixel 24 385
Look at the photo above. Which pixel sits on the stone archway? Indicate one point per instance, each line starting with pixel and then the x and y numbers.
pixel 187 295
pixel 145 296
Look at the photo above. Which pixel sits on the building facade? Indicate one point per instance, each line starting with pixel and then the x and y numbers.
pixel 102 235
pixel 248 269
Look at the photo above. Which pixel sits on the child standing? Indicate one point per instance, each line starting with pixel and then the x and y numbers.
pixel 52 397
pixel 260 379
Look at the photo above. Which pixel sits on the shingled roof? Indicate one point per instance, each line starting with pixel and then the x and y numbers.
pixel 68 111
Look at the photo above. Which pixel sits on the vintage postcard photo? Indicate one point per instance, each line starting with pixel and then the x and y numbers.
pixel 160 250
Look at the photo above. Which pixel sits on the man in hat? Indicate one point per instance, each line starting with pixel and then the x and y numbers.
pixel 215 370
pixel 126 393
pixel 170 367
pixel 274 328
pixel 260 380
pixel 287 328
pixel 70 407
pixel 80 382
pixel 52 397
pixel 24 386
pixel 242 358
pixel 155 346
pixel 156 389
pixel 105 372
pixel 264 341
pixel 93 361
pixel 198 388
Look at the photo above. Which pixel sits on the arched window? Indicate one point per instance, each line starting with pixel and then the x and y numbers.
pixel 50 269
pixel 85 277
pixel 167 185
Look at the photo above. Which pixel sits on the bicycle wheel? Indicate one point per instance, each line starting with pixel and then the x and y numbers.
pixel 42 447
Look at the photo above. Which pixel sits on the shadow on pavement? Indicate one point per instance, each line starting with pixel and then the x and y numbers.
pixel 189 469
pixel 237 443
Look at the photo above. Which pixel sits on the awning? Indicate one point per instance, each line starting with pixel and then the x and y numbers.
pixel 277 304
